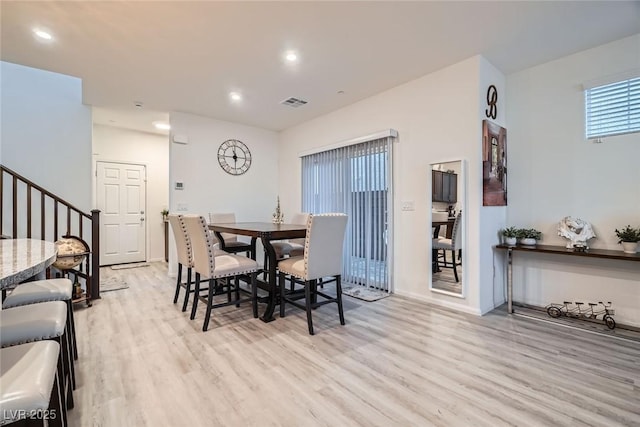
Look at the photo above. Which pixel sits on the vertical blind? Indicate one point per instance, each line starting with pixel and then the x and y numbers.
pixel 613 109
pixel 356 180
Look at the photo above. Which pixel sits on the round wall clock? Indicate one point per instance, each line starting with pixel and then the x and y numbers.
pixel 234 157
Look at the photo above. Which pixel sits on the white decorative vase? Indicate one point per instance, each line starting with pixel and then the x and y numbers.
pixel 510 241
pixel 528 241
pixel 630 247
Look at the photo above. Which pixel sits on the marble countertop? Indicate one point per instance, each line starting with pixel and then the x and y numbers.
pixel 24 258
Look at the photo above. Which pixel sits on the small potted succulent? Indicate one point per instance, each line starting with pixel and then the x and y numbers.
pixel 529 236
pixel 629 238
pixel 510 235
pixel 164 213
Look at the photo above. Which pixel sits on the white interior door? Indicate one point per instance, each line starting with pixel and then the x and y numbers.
pixel 121 200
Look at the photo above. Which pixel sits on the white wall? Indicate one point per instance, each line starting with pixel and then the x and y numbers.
pixel 46 131
pixel 437 117
pixel 113 144
pixel 491 219
pixel 556 172
pixel 207 187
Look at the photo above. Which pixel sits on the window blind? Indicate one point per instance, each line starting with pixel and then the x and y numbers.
pixel 356 180
pixel 613 109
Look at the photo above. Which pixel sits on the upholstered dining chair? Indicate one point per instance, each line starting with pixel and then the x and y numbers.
pixel 216 269
pixel 454 244
pixel 231 242
pixel 322 258
pixel 185 256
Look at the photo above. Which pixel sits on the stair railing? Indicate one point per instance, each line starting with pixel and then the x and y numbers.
pixel 30 211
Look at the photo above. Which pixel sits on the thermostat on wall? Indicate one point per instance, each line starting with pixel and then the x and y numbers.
pixel 181 139
pixel 179 186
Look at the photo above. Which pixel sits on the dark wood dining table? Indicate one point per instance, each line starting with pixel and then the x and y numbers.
pixel 266 232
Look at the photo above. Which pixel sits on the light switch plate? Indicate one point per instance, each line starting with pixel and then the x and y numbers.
pixel 408 205
pixel 182 207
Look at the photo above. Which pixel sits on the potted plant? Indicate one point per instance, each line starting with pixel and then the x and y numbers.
pixel 629 238
pixel 529 236
pixel 164 213
pixel 510 235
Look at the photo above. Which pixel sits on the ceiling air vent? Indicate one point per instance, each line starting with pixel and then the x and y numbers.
pixel 293 102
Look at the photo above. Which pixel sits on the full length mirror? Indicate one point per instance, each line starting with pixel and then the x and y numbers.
pixel 447 227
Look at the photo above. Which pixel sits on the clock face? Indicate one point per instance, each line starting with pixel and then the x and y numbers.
pixel 234 157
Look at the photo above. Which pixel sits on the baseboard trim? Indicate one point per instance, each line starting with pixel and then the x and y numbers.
pixel 442 303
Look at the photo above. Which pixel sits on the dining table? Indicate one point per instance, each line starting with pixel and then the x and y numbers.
pixel 266 232
pixel 24 258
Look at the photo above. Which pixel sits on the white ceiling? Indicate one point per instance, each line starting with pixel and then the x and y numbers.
pixel 187 56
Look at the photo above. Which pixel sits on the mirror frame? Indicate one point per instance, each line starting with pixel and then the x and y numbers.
pixel 465 209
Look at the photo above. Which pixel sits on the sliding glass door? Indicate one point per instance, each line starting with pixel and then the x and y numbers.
pixel 355 180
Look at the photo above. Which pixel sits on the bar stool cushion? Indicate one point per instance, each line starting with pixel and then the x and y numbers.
pixel 39 291
pixel 32 322
pixel 27 375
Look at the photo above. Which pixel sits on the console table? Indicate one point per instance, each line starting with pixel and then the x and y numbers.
pixel 557 250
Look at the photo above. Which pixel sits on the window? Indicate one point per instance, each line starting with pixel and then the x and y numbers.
pixel 613 109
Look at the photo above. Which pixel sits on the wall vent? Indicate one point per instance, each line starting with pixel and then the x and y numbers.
pixel 294 102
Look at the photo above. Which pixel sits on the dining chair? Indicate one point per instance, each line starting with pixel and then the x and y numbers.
pixel 454 244
pixel 218 269
pixel 231 242
pixel 323 249
pixel 185 256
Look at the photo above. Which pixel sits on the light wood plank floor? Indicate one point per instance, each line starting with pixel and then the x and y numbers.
pixel 397 362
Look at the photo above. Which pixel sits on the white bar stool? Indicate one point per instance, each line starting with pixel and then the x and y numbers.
pixel 30 386
pixel 45 291
pixel 38 322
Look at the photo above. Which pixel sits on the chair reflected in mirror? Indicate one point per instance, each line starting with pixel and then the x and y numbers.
pixel 442 245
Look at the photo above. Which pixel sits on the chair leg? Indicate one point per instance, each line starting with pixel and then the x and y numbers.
pixel 339 298
pixel 187 290
pixel 72 325
pixel 254 295
pixel 205 325
pixel 61 373
pixel 281 285
pixel 307 297
pixel 455 270
pixel 178 282
pixel 314 292
pixel 196 295
pixel 58 414
pixel 236 285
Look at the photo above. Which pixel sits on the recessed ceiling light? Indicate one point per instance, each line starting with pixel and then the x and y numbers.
pixel 42 34
pixel 162 125
pixel 291 56
pixel 235 96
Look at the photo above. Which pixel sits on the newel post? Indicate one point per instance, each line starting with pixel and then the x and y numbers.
pixel 95 254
